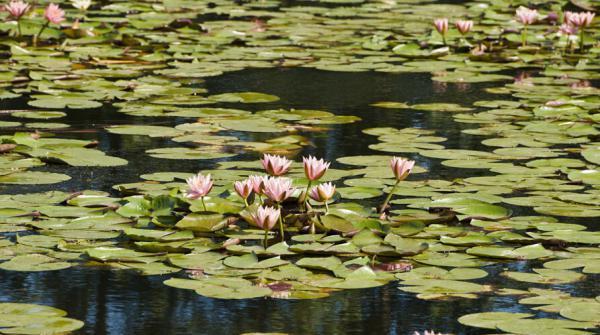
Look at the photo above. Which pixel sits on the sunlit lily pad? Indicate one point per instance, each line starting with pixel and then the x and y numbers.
pixel 221 288
pixel 122 255
pixel 152 131
pixel 245 97
pixel 449 260
pixel 34 262
pixel 16 318
pixel 202 222
pixel 545 276
pixel 196 261
pixel 489 320
pixel 589 265
pixel 582 311
pixel 250 261
pixel 186 153
pixel 543 326
pixel 533 251
pixel 33 177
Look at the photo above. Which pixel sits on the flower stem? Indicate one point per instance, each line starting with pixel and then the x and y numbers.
pixel 581 36
pixel 281 232
pixel 326 207
pixel 266 239
pixel 246 202
pixel 18 28
pixel 387 199
pixel 444 39
pixel 39 34
pixel 524 36
pixel 203 204
pixel 305 195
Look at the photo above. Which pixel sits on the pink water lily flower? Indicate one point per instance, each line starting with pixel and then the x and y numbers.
pixel 266 217
pixel 258 183
pixel 567 29
pixel 428 332
pixel 278 189
pixel 401 167
pixel 199 186
pixel 579 20
pixel 441 25
pixel 276 165
pixel 16 9
pixel 54 14
pixel 314 168
pixel 244 188
pixel 464 26
pixel 567 17
pixel 526 16
pixel 323 192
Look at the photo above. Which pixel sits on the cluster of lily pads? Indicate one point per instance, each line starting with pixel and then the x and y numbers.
pixel 23 151
pixel 179 226
pixel 278 190
pixel 16 318
pixel 148 60
pixel 572 23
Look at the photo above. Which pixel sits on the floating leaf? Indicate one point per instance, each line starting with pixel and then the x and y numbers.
pixel 545 276
pixel 202 222
pixel 250 261
pixel 35 319
pixel 34 262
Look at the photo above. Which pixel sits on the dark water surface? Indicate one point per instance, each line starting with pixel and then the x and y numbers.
pixel 340 93
pixel 122 302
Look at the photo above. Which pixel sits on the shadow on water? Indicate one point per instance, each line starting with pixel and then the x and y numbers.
pixel 122 302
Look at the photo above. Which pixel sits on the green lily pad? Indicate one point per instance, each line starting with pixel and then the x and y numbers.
pixel 533 251
pixel 186 153
pixel 195 261
pixel 250 261
pixel 489 320
pixel 334 222
pixel 543 326
pixel 32 319
pixel 106 254
pixel 591 266
pixel 221 288
pixel 582 311
pixel 34 263
pixel 439 273
pixel 545 276
pixel 152 131
pixel 320 263
pixel 449 260
pixel 202 222
pixel 33 177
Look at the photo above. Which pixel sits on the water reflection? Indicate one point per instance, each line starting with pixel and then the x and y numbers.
pixel 121 302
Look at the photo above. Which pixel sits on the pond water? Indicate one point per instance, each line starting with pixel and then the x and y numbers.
pixel 339 93
pixel 106 113
pixel 123 302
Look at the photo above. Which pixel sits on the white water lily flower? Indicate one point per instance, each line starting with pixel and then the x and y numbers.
pixel 81 4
